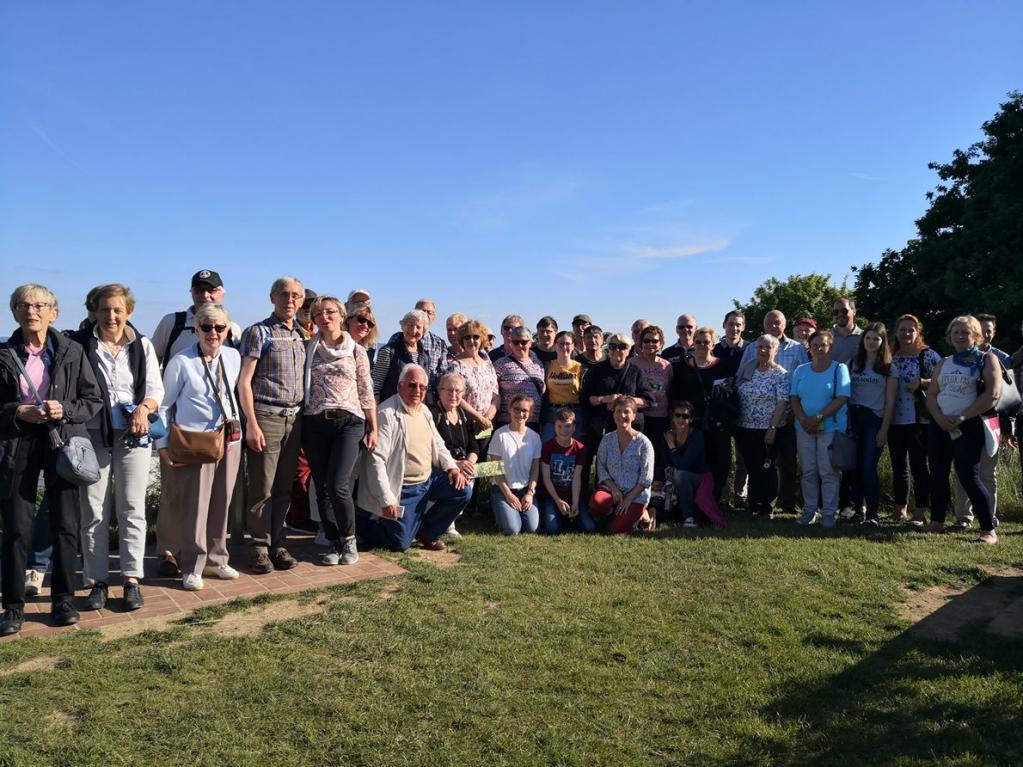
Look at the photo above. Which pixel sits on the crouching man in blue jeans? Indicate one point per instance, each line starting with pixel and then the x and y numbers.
pixel 407 470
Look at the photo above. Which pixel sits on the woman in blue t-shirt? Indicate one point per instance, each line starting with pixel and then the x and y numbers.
pixel 818 394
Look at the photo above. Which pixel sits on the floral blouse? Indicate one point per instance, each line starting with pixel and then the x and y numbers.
pixel 628 468
pixel 906 369
pixel 338 379
pixel 480 383
pixel 760 395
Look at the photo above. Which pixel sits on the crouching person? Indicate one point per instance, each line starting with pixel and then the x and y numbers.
pixel 407 470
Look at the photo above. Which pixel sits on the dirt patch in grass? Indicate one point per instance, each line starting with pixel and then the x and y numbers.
pixel 42 663
pixel 943 612
pixel 441 559
pixel 249 622
pixel 60 720
pixel 388 590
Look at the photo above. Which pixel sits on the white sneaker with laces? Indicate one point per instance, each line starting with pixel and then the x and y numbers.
pixel 451 531
pixel 33 583
pixel 192 582
pixel 224 572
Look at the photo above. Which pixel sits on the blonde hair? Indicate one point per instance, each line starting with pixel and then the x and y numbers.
pixel 969 321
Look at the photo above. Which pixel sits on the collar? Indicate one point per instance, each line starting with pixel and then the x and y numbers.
pixel 409 410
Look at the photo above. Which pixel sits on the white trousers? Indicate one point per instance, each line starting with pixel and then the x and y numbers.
pixel 820 481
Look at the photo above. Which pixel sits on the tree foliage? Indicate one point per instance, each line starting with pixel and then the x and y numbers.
pixel 801 295
pixel 966 257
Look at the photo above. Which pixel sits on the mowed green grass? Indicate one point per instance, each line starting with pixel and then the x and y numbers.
pixel 763 644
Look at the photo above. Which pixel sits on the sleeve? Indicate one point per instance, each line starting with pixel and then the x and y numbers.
pixel 784 386
pixel 931 359
pixel 536 444
pixel 642 387
pixel 252 341
pixel 545 453
pixel 172 384
pixel 603 471
pixel 363 379
pixel 154 383
pixel 844 381
pixel 376 461
pixel 161 336
pixel 444 457
pixel 646 463
pixel 797 376
pixel 85 398
pixel 380 369
pixel 497 444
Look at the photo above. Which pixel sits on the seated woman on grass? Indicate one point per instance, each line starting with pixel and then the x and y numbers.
pixel 681 454
pixel 625 471
pixel 518 447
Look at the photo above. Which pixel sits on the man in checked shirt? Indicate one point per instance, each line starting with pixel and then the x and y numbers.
pixel 271 388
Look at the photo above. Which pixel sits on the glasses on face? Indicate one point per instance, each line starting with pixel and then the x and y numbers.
pixel 683 416
pixel 414 385
pixel 24 306
pixel 840 312
pixel 477 339
pixel 764 348
pixel 327 313
pixel 521 410
pixel 454 392
pixel 364 321
pixel 702 342
pixel 651 340
pixel 521 343
pixel 820 348
pixel 211 328
pixel 509 328
pixel 617 347
pixel 200 289
pixel 685 327
pixel 291 296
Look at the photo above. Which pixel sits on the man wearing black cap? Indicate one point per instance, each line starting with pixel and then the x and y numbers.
pixel 174 333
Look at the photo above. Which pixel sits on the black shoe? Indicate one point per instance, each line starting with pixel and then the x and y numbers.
pixel 97 598
pixel 64 613
pixel 132 597
pixel 168 566
pixel 871 522
pixel 857 518
pixel 10 621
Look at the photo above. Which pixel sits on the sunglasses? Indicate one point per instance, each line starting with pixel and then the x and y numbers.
pixel 617 347
pixel 521 343
pixel 411 385
pixel 651 340
pixel 364 321
pixel 211 328
pixel 704 342
pixel 683 416
pixel 471 338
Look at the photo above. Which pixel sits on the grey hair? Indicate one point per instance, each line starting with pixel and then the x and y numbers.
pixel 282 282
pixel 768 339
pixel 24 291
pixel 448 377
pixel 416 315
pixel 410 368
pixel 210 312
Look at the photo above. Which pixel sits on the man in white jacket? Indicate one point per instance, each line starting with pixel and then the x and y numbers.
pixel 409 468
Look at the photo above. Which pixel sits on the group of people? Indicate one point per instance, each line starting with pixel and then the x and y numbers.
pixel 396 435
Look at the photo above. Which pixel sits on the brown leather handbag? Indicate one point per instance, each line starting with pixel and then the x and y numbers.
pixel 198 447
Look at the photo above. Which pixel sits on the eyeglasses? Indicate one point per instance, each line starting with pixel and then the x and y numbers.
pixel 471 338
pixel 521 410
pixel 509 328
pixel 522 342
pixel 24 306
pixel 453 392
pixel 685 327
pixel 364 321
pixel 292 296
pixel 617 347
pixel 327 313
pixel 413 385
pixel 704 342
pixel 840 312
pixel 651 340
pixel 683 416
pixel 211 328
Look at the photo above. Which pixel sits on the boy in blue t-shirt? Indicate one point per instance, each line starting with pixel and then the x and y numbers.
pixel 561 467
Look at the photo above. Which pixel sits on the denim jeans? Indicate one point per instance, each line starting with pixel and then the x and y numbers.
pixel 332 449
pixel 988 477
pixel 866 487
pixel 686 484
pixel 820 478
pixel 512 521
pixel 554 522
pixel 419 519
pixel 963 453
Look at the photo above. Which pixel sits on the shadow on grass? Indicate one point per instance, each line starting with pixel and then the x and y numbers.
pixel 946 691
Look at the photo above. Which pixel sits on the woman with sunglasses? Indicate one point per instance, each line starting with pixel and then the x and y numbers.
pixel 338 416
pixel 625 472
pixel 519 372
pixel 481 392
pixel 362 327
pixel 702 379
pixel 763 401
pixel 657 372
pixel 199 385
pixel 512 496
pixel 680 454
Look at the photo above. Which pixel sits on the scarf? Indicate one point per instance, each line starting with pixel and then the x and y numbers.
pixel 976 365
pixel 327 354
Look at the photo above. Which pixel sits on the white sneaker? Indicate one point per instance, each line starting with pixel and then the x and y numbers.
pixel 690 522
pixel 451 531
pixel 33 582
pixel 224 572
pixel 192 582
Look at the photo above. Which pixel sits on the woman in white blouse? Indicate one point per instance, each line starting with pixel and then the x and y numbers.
pixel 128 373
pixel 199 396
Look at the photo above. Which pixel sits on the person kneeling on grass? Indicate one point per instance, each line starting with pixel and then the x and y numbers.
pixel 407 469
pixel 518 448
pixel 625 471
pixel 561 467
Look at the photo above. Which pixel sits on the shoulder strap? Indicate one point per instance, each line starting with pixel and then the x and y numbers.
pixel 176 330
pixel 537 385
pixel 55 438
pixel 217 388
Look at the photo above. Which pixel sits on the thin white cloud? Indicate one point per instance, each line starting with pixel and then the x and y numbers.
pixel 741 260
pixel 526 190
pixel 675 251
pixel 865 176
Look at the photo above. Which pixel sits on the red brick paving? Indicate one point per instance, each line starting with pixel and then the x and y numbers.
pixel 164 596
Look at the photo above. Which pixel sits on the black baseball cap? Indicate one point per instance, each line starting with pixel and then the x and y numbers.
pixel 207 277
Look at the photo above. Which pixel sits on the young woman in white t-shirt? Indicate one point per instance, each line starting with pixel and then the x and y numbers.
pixel 518 447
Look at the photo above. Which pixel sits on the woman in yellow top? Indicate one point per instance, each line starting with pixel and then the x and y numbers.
pixel 564 379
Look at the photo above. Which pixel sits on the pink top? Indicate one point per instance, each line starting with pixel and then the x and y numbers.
pixel 338 378
pixel 36 369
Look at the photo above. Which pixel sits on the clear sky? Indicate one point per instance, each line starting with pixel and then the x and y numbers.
pixel 623 159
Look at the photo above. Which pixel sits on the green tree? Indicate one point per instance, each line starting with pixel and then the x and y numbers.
pixel 801 295
pixel 967 255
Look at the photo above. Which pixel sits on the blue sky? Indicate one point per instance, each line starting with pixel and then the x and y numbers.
pixel 623 159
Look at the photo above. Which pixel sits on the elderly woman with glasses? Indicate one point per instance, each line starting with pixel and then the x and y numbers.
pixel 38 360
pixel 657 371
pixel 458 430
pixel 763 401
pixel 405 349
pixel 339 415
pixel 519 372
pixel 818 394
pixel 361 325
pixel 199 397
pixel 481 399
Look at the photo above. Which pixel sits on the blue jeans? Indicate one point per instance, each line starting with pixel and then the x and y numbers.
pixel 417 521
pixel 866 487
pixel 686 484
pixel 554 522
pixel 512 521
pixel 964 454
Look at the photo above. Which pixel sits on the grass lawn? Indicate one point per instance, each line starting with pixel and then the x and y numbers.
pixel 762 644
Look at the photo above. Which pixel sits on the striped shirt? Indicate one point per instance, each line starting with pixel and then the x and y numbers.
pixel 279 375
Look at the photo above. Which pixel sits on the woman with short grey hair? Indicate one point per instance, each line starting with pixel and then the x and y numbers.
pixel 400 351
